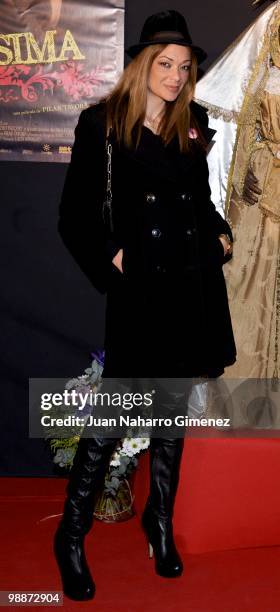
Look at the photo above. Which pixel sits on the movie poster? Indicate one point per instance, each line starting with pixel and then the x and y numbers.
pixel 56 58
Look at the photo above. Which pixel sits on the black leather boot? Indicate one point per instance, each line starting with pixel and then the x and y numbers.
pixel 165 460
pixel 76 579
pixel 86 478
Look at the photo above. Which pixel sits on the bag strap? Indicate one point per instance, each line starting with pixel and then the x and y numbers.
pixel 107 204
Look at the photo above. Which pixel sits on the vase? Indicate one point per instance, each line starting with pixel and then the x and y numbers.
pixel 113 509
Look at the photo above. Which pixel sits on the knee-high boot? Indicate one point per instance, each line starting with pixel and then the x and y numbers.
pixel 165 460
pixel 86 479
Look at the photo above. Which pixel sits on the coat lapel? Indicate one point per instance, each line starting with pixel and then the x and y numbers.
pixel 166 162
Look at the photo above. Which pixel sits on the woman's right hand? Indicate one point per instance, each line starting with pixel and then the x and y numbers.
pixel 117 261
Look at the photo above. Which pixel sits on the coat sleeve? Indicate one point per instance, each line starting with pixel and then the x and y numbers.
pixel 81 225
pixel 216 223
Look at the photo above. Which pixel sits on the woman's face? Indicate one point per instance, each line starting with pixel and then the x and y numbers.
pixel 169 72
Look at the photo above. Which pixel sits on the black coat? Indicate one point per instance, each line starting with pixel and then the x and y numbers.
pixel 167 314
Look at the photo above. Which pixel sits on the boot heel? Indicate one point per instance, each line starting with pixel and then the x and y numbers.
pixel 151 550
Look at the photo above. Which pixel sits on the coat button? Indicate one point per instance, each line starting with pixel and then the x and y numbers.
pixel 156 233
pixel 191 231
pixel 150 198
pixel 160 269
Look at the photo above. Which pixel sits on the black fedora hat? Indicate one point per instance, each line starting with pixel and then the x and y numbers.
pixel 166 27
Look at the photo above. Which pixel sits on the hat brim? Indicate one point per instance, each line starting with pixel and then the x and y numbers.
pixel 135 49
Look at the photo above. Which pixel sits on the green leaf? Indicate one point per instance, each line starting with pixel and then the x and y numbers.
pixel 115 481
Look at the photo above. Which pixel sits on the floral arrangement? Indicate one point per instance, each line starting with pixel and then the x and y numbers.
pixel 123 461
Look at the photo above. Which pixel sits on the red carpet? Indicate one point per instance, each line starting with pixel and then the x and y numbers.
pixel 229 581
pixel 228 496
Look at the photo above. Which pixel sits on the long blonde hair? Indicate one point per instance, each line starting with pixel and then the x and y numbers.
pixel 126 104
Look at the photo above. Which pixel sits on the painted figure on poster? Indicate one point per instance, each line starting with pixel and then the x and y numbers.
pixel 36 16
pixel 56 56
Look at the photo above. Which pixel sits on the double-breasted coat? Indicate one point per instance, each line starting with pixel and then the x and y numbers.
pixel 167 314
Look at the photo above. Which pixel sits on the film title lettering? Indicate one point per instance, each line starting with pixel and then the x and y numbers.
pixel 23 48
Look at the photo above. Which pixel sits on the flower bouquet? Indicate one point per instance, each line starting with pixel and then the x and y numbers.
pixel 116 500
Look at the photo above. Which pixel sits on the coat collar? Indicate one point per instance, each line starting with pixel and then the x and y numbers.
pixel 167 162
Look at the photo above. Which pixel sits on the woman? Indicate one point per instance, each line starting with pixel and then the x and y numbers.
pixel 242 93
pixel 167 313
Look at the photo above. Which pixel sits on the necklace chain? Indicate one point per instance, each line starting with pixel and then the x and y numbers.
pixel 153 121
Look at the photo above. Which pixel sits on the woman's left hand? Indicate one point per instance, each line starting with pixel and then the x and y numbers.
pixel 117 261
pixel 226 245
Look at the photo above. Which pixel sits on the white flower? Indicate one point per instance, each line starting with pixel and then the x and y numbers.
pixel 141 442
pixel 115 461
pixel 144 443
pixel 131 447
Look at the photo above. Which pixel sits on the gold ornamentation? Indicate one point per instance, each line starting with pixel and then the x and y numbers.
pixel 247 119
pixel 274 44
pixel 218 111
pixel 275 377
